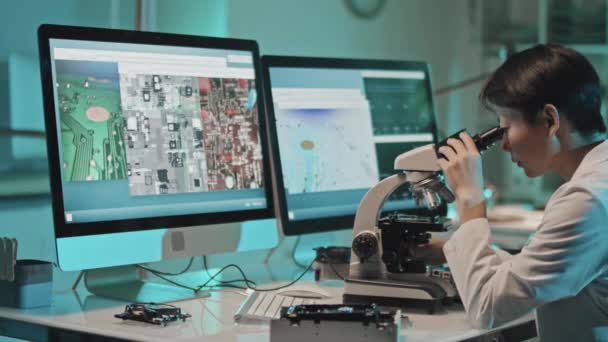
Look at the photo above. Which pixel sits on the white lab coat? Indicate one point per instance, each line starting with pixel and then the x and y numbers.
pixel 562 272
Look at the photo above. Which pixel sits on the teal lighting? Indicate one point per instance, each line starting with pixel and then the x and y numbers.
pixel 488 193
pixel 259 234
pixel 85 251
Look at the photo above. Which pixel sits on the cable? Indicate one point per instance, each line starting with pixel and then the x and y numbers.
pixel 163 275
pixel 289 284
pixel 335 271
pixel 223 283
pixel 195 290
pixel 249 284
pixel 246 281
pixel 157 272
pixel 293 253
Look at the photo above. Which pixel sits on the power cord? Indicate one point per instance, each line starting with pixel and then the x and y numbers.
pixel 195 290
pixel 295 260
pixel 249 284
pixel 163 275
pixel 157 272
pixel 336 271
pixel 293 253
pixel 289 284
pixel 247 281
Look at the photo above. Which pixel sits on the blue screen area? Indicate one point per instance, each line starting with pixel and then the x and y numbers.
pixel 339 131
pixel 147 131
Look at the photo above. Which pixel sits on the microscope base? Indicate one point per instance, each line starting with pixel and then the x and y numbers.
pixel 393 293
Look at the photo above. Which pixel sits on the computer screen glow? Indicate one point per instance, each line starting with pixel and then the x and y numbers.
pixel 339 131
pixel 152 130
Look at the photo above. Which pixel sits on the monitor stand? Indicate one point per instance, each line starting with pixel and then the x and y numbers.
pixel 127 283
pixel 130 283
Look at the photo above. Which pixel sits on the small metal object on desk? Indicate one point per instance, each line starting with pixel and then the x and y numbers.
pixel 8 258
pixel 3 259
pixel 337 322
pixel 13 259
pixel 154 313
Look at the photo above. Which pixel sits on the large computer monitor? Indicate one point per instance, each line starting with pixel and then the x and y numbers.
pixel 336 126
pixel 149 131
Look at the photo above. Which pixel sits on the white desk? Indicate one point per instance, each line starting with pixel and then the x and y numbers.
pixel 92 318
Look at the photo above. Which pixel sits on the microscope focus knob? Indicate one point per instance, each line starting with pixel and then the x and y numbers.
pixel 390 259
pixel 365 245
pixel 422 237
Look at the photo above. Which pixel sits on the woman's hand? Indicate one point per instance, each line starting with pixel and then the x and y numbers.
pixel 464 175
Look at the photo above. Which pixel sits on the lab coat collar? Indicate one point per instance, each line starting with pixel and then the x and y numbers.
pixel 590 162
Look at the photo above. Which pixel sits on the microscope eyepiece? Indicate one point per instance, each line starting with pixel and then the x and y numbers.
pixel 483 140
pixel 486 139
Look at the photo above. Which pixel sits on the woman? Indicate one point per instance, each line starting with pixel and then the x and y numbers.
pixel 548 100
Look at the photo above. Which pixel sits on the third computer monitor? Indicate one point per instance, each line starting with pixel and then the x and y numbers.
pixel 336 126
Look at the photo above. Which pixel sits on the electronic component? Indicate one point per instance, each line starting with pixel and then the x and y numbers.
pixel 325 322
pixel 154 313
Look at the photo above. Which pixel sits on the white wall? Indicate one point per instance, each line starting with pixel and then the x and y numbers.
pixel 435 31
pixel 18 40
pixel 29 219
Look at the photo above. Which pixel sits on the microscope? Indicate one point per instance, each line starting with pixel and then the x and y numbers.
pixel 382 269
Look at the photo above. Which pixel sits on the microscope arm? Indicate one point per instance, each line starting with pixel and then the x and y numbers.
pixel 422 158
pixel 366 240
pixel 419 167
pixel 368 212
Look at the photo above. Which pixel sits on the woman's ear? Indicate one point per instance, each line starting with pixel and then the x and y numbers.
pixel 550 118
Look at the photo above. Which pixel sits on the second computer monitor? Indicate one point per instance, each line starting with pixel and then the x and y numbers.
pixel 336 126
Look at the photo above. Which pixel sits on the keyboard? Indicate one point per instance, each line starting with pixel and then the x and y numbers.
pixel 266 306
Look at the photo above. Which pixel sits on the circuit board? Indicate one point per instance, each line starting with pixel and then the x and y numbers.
pixel 91 121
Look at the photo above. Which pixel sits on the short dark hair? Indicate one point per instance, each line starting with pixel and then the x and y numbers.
pixel 548 74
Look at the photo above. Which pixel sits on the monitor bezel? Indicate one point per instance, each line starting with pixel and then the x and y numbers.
pixel 292 227
pixel 46 32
